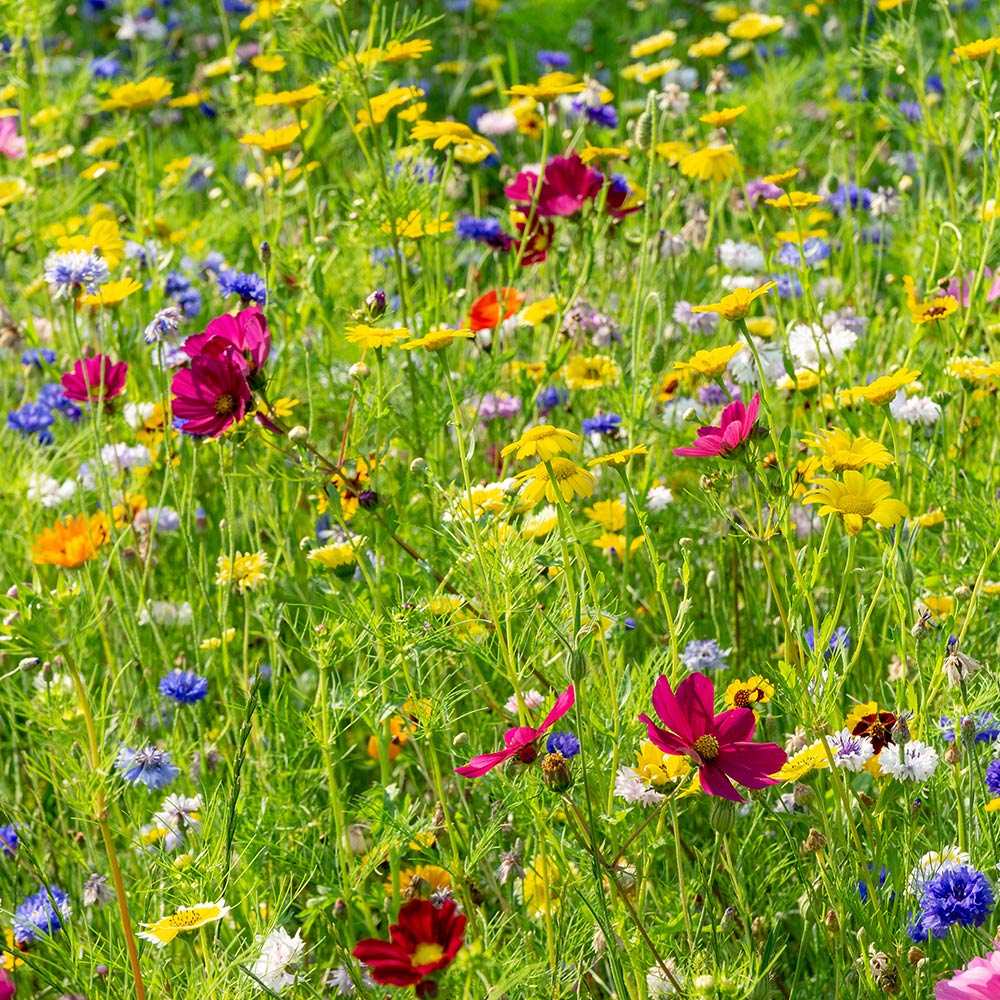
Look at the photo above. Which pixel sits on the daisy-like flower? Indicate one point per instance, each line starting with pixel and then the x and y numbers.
pixel 737 304
pixel 866 720
pixel 72 542
pixel 794 199
pixel 279 954
pixel 857 500
pixel 187 918
pixel 630 787
pixel 930 310
pixel 341 557
pixel 756 690
pixel 273 140
pixel 375 337
pixel 288 98
pixel 979 49
pixel 753 25
pixel 736 424
pixel 565 479
pixel 138 96
pixel 709 47
pixel 622 457
pixel 882 390
pixel 713 163
pixel 849 751
pixel 712 363
pixel 437 339
pixel 594 372
pixel 839 451
pixel 723 116
pixel 246 571
pixel 548 88
pixel 112 294
pixel 543 442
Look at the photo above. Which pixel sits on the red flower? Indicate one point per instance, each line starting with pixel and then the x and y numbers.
pixel 536 243
pixel 619 202
pixel 717 744
pixel 247 332
pixel 568 182
pixel 520 741
pixel 425 939
pixel 485 313
pixel 735 426
pixel 212 394
pixel 95 378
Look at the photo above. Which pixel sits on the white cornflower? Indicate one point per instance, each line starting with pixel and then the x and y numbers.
pixel 932 863
pixel 743 367
pixel 163 325
pixel 630 787
pixel 50 492
pixel 740 256
pixel 166 613
pixel 278 952
pixel 915 409
pixel 657 498
pixel 496 123
pixel 136 414
pixel 177 815
pixel 850 752
pixel 915 762
pixel 810 345
pixel 164 519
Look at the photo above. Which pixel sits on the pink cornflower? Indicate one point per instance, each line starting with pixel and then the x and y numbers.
pixel 718 745
pixel 568 183
pixel 735 426
pixel 94 379
pixel 979 980
pixel 12 145
pixel 212 394
pixel 246 331
pixel 520 741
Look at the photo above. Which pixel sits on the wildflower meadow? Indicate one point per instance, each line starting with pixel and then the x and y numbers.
pixel 500 499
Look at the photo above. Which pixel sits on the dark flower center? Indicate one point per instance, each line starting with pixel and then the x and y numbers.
pixel 225 405
pixel 707 747
pixel 741 699
pixel 527 755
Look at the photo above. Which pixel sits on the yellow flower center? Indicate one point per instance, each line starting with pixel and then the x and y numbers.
pixel 707 747
pixel 225 405
pixel 426 953
pixel 851 503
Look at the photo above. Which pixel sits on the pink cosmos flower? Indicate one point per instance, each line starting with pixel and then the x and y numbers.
pixel 735 426
pixel 719 745
pixel 961 288
pixel 12 145
pixel 212 394
pixel 520 741
pixel 979 980
pixel 246 331
pixel 94 379
pixel 568 183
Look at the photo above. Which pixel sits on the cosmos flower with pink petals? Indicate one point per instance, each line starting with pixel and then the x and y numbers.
pixel 94 379
pixel 979 980
pixel 735 426
pixel 567 184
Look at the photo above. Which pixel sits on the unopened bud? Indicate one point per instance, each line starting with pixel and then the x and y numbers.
pixel 375 303
pixel 963 593
pixel 298 434
pixel 953 755
pixel 359 371
pixel 814 842
pixel 418 465
pixel 555 772
pixel 915 956
pixel 658 358
pixel 722 815
pixel 460 740
pixel 265 252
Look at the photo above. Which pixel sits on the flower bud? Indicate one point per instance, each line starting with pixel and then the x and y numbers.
pixel 658 358
pixel 556 773
pixel 418 465
pixel 298 434
pixel 375 303
pixel 265 252
pixel 722 815
pixel 359 371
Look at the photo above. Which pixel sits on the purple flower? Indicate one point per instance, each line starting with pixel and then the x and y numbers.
pixel 42 912
pixel 184 686
pixel 563 742
pixel 960 895
pixel 603 423
pixel 149 766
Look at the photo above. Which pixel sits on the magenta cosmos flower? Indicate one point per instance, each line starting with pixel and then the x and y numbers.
pixel 718 745
pixel 210 395
pixel 735 426
pixel 246 331
pixel 519 741
pixel 979 980
pixel 12 145
pixel 94 379
pixel 567 184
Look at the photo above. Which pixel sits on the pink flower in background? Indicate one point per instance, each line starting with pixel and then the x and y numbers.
pixel 210 395
pixel 246 331
pixel 12 145
pixel 717 744
pixel 979 980
pixel 567 184
pixel 93 379
pixel 735 426
pixel 520 741
pixel 961 288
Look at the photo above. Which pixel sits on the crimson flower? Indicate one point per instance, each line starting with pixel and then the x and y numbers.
pixel 567 183
pixel 519 741
pixel 535 243
pixel 735 425
pixel 94 379
pixel 212 394
pixel 424 939
pixel 719 745
pixel 246 331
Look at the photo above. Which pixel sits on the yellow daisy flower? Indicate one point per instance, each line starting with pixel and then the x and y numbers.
pixel 618 457
pixel 138 96
pixel 753 25
pixel 566 479
pixel 653 44
pixel 288 98
pixel 436 339
pixel 736 305
pixel 372 336
pixel 756 690
pixel 274 140
pixel 710 363
pixel 542 442
pixel 709 46
pixel 794 199
pixel 839 451
pixel 857 500
pixel 609 514
pixel 111 294
pixel 581 372
pixel 722 117
pixel 187 918
pixel 882 390
pixel 549 87
pixel 246 571
pixel 712 163
pixel 979 49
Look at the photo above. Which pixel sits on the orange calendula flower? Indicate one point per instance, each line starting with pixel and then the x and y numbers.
pixel 72 542
pixel 399 735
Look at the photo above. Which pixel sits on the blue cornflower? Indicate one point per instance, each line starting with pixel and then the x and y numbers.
pixel 704 654
pixel 35 357
pixel 37 915
pixel 214 263
pixel 602 114
pixel 910 110
pixel 551 397
pixel 105 68
pixel 176 283
pixel 850 195
pixel 482 230
pixel 841 639
pixel 814 251
pixel 8 840
pixel 32 418
pixel 552 59
pixel 934 84
pixel 789 286
pixel 248 286
pixel 184 686
pixel 603 423
pixel 149 766
pixel 713 395
pixel 982 727
pixel 51 395
pixel 960 895
pixel 190 302
pixel 563 742
pixel 863 890
pixel 67 271
pixel 993 778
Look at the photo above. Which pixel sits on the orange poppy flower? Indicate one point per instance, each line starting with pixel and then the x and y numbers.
pixel 485 312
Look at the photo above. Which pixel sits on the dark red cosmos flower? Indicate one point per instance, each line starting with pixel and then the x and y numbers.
pixel 568 183
pixel 212 394
pixel 92 379
pixel 246 331
pixel 718 745
pixel 424 939
pixel 534 246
